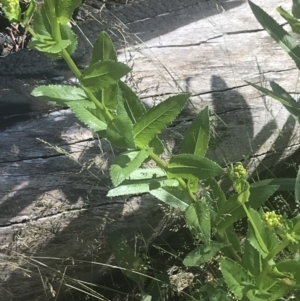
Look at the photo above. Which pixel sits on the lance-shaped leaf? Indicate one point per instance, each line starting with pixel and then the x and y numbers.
pixel 251 259
pixel 103 74
pixel 132 103
pixel 197 217
pixel 293 22
pixel 148 173
pixel 132 265
pixel 203 254
pixel 172 196
pixel 141 186
pixel 59 94
pixel 157 119
pixel 87 118
pixel 277 33
pixel 235 276
pixel 296 9
pixel 189 166
pixel 64 9
pixel 127 163
pixel 284 97
pixel 196 138
pixel 119 132
pixel 103 49
pixel 232 210
pixel 284 184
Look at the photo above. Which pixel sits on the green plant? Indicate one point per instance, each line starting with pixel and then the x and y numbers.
pixel 265 266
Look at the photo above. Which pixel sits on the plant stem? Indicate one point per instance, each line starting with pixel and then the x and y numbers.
pixel 257 234
pixel 53 20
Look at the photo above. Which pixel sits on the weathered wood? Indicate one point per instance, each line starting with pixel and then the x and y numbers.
pixel 53 207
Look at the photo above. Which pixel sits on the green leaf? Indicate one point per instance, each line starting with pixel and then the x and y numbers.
pixel 197 218
pixel 157 119
pixel 41 23
pixel 269 240
pixel 148 173
pixel 235 276
pixel 284 184
pixel 233 239
pixel 52 48
pixel 157 145
pixel 296 9
pixel 109 96
pixel 87 118
pixel 119 132
pixel 139 187
pixel 294 23
pixel 232 210
pixel 65 9
pixel 132 265
pixel 103 74
pixel 189 166
pixel 281 95
pixel 132 104
pixel 196 138
pixel 59 94
pixel 203 254
pixel 292 270
pixel 172 196
pixel 68 34
pixel 277 33
pixel 297 187
pixel 127 163
pixel 251 259
pixel 103 49
pixel 216 194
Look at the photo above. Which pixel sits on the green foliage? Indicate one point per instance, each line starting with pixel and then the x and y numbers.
pixel 276 31
pixel 157 119
pixel 189 166
pixel 196 137
pixel 251 268
pixel 197 217
pixel 103 74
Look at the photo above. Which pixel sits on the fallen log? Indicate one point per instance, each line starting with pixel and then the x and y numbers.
pixel 53 201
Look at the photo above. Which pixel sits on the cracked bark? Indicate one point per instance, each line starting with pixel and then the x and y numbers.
pixel 51 206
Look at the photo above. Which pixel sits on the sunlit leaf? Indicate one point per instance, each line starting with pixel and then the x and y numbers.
pixel 197 217
pixel 119 132
pixel 277 33
pixel 103 49
pixel 126 163
pixel 157 119
pixel 189 166
pixel 196 138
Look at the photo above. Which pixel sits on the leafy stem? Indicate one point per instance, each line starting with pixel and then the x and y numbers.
pixel 53 21
pixel 257 234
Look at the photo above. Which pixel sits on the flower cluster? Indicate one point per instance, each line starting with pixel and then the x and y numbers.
pixel 238 172
pixel 273 220
pixel 12 9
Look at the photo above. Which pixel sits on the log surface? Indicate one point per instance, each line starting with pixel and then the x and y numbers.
pixel 53 205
